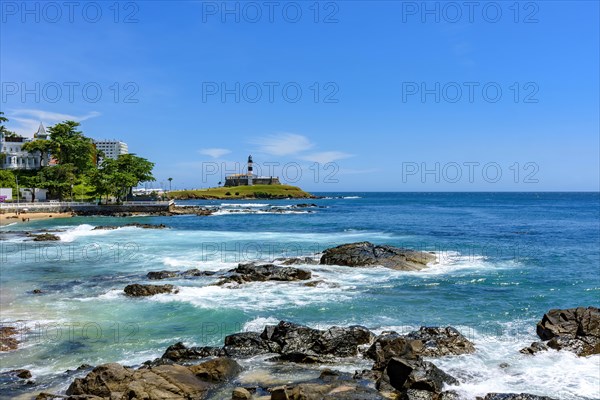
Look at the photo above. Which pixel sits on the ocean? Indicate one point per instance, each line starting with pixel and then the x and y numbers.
pixel 503 260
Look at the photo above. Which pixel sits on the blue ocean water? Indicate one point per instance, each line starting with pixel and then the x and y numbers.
pixel 503 259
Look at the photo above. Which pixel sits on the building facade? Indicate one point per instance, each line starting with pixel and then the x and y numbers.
pixel 12 155
pixel 249 178
pixel 111 149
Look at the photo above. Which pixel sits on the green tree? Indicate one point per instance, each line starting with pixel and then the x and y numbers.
pixel 70 146
pixel 117 177
pixel 41 147
pixel 59 180
pixel 7 180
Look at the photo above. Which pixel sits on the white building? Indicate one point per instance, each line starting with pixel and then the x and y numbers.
pixel 12 155
pixel 111 148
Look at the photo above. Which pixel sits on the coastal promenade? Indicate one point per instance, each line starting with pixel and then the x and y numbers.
pixel 24 211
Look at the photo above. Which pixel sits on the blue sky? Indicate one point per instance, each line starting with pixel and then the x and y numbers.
pixel 380 107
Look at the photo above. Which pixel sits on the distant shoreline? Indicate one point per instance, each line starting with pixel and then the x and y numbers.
pixel 265 192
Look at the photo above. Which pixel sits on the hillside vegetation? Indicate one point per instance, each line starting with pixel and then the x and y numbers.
pixel 243 192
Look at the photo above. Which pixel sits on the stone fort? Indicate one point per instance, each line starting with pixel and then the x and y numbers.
pixel 249 178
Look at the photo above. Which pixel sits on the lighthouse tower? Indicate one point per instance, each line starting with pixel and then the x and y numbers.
pixel 250 175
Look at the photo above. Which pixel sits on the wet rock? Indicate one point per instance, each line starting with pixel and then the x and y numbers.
pixel 116 382
pixel 241 393
pixel 134 225
pixel 299 343
pixel 342 390
pixel 574 329
pixel 247 344
pixel 45 237
pixel 389 345
pixel 137 290
pixel 8 341
pixel 17 373
pixel 426 342
pixel 296 261
pixel 156 275
pixel 535 347
pixel 37 291
pixel 442 341
pixel 417 374
pixel 514 396
pixel 180 352
pixel 364 254
pixel 264 272
pixel 303 344
pixel 219 369
pixel 196 272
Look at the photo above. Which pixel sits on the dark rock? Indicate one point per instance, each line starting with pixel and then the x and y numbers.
pixel 279 393
pixel 247 344
pixel 137 290
pixel 134 225
pixel 296 260
pixel 37 291
pixel 265 272
pixel 535 347
pixel 574 329
pixel 389 345
pixel 241 393
pixel 217 370
pixel 438 341
pixel 17 373
pixel 116 382
pixel 299 343
pixel 161 274
pixel 303 344
pixel 180 352
pixel 45 237
pixel 514 396
pixel 342 390
pixel 49 396
pixel 364 254
pixel 197 272
pixel 417 374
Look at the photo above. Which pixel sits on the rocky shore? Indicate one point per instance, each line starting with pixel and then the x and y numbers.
pixel 399 369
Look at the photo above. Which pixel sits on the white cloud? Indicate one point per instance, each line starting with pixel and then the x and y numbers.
pixel 215 152
pixel 325 157
pixel 26 121
pixel 283 144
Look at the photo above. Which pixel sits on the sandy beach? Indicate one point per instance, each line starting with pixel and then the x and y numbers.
pixel 9 218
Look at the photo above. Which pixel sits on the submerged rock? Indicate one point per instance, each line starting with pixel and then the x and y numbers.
pixel 264 272
pixel 574 329
pixel 137 290
pixel 45 237
pixel 7 338
pixel 156 275
pixel 365 254
pixel 296 261
pixel 165 274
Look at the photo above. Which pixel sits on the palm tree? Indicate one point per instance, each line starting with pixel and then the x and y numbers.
pixel 170 180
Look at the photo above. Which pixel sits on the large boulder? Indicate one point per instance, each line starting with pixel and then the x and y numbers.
pixel 8 340
pixel 219 369
pixel 303 344
pixel 264 272
pixel 426 342
pixel 441 341
pixel 365 254
pixel 574 329
pixel 417 374
pixel 113 381
pixel 299 343
pixel 137 290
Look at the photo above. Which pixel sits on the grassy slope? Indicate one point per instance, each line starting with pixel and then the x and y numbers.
pixel 242 192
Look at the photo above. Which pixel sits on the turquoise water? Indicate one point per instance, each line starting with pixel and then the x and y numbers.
pixel 503 260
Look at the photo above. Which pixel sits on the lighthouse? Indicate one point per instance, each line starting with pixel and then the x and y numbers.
pixel 250 176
